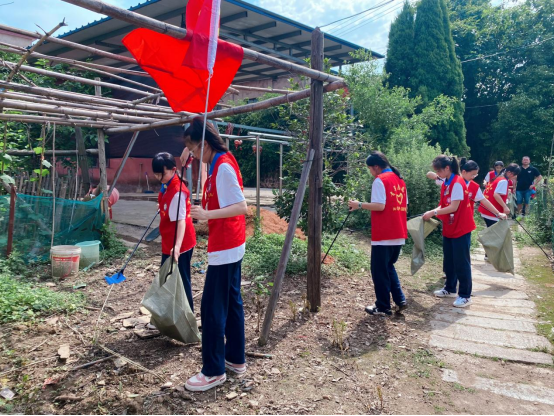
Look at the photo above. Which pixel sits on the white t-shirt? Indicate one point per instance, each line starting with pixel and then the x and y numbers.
pixel 457 192
pixel 479 196
pixel 488 177
pixel 228 193
pixel 501 189
pixel 182 207
pixel 378 195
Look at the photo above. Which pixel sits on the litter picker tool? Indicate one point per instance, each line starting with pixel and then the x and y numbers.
pixel 119 276
pixel 336 236
pixel 534 241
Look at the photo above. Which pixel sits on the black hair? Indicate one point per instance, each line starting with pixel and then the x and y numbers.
pixel 164 159
pixel 512 167
pixel 194 134
pixel 442 161
pixel 468 165
pixel 498 163
pixel 377 158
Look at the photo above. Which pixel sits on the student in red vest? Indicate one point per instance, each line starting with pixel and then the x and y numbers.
pixel 224 207
pixel 173 197
pixel 469 171
pixel 456 213
pixel 491 176
pixel 496 194
pixel 388 232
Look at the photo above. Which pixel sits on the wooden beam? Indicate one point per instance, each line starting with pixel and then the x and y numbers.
pixel 18 152
pixel 260 105
pixel 180 33
pixel 26 118
pixel 285 252
pixel 316 178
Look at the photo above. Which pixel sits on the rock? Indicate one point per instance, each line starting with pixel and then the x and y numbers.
pixel 7 394
pixel 63 351
pixel 52 321
pixel 67 398
pixel 232 396
pixel 132 322
pixel 101 383
pixel 50 284
pixel 121 316
pixel 144 334
pixel 253 404
pixel 120 362
pixel 275 370
pixel 167 385
pixel 144 311
pixel 243 395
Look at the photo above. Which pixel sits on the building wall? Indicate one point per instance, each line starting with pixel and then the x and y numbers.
pixel 15 39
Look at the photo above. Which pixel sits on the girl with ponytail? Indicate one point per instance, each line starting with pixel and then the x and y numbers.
pixel 221 310
pixel 456 213
pixel 389 231
pixel 174 205
pixel 496 195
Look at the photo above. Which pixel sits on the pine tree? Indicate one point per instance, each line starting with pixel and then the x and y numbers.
pixel 400 48
pixel 437 70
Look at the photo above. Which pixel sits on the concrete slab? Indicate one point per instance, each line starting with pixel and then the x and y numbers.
pixel 489 336
pixel 487 314
pixel 503 303
pixel 138 213
pixel 507 283
pixel 489 308
pixel 498 294
pixel 492 351
pixel 494 273
pixel 502 324
pixel 518 391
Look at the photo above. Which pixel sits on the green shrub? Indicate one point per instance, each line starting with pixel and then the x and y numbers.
pixel 113 246
pixel 21 301
pixel 263 253
pixel 346 253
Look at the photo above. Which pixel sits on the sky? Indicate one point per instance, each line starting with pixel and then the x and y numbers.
pixel 369 29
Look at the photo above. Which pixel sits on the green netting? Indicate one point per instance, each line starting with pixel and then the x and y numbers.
pixel 75 221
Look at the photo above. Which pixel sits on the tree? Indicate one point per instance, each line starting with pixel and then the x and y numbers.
pixel 437 70
pixel 400 48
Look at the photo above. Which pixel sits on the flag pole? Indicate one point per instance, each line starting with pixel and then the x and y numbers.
pixel 197 201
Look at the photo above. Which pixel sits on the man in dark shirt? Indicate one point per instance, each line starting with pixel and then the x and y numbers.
pixel 527 179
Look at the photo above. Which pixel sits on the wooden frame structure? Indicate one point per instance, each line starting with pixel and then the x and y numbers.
pixel 110 116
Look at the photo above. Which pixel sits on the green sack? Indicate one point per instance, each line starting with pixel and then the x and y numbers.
pixel 512 205
pixel 497 242
pixel 167 302
pixel 419 229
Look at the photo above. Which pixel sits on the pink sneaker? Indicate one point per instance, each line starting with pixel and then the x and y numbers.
pixel 235 368
pixel 202 383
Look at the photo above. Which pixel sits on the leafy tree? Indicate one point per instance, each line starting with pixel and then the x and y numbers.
pixel 437 70
pixel 400 48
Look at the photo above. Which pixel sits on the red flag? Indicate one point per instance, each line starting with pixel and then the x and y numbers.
pixel 203 20
pixel 185 87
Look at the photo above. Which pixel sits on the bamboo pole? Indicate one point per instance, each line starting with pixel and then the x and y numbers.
pixel 103 185
pixel 123 161
pixel 17 152
pixel 180 33
pixel 36 45
pixel 260 89
pixel 315 186
pixel 82 162
pixel 74 78
pixel 285 253
pixel 61 121
pixel 260 105
pixel 19 105
pixel 53 185
pixel 11 221
pixel 89 99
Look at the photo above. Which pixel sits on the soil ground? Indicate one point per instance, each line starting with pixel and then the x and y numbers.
pixel 337 361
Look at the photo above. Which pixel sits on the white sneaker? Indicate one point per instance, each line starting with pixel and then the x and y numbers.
pixel 461 302
pixel 200 382
pixel 443 293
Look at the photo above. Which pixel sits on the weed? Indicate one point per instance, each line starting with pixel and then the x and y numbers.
pixel 261 290
pixel 14 265
pixel 293 310
pixel 380 396
pixel 113 246
pixel 338 331
pixel 21 301
pixel 439 409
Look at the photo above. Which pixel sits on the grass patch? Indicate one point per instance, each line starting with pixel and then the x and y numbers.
pixel 263 252
pixel 423 361
pixel 538 270
pixel 23 301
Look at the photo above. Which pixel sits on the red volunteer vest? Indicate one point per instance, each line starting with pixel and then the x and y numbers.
pixel 167 227
pixel 489 195
pixel 390 224
pixel 461 222
pixel 224 233
pixel 492 176
pixel 472 189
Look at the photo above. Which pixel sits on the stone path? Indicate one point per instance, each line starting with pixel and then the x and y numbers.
pixel 500 324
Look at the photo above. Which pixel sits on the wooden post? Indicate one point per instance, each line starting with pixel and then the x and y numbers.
pixel 315 180
pixel 53 185
pixel 11 222
pixel 103 185
pixel 285 253
pixel 82 159
pixel 124 160
pixel 258 176
pixel 315 213
pixel 280 170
